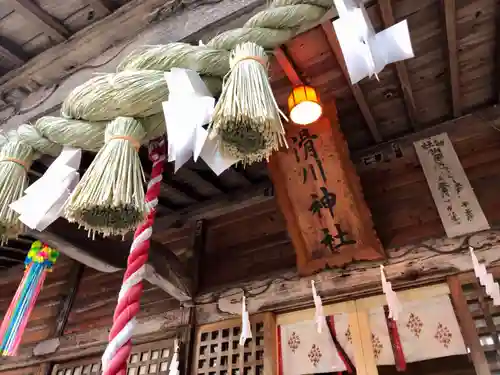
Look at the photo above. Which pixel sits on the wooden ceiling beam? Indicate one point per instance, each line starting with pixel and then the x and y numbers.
pixel 12 52
pixel 163 268
pixel 451 37
pixel 465 125
pixel 355 89
pixel 36 15
pixel 101 8
pixel 287 67
pixel 217 206
pixel 401 69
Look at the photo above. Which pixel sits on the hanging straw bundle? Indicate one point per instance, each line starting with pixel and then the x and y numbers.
pixel 15 161
pixel 39 261
pixel 109 199
pixel 247 117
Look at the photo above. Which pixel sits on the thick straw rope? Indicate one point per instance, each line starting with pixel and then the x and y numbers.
pixel 115 357
pixel 137 90
pixel 85 116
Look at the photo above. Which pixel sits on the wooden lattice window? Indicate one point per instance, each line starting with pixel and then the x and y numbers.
pixel 487 321
pixel 148 359
pixel 217 350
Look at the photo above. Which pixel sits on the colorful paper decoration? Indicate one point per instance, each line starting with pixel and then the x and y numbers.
pixel 39 261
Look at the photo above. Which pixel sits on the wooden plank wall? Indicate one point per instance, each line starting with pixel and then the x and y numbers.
pixel 96 300
pixel 242 245
pixel 253 242
pixel 398 195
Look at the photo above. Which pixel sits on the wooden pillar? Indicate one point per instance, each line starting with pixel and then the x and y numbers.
pixel 468 327
pixel 318 191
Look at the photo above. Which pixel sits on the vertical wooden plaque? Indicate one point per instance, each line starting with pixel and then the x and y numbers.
pixel 319 193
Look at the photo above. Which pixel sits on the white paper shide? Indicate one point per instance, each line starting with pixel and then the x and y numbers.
pixel 319 315
pixel 246 328
pixel 365 52
pixel 486 279
pixel 190 106
pixel 391 297
pixel 43 201
pixel 173 369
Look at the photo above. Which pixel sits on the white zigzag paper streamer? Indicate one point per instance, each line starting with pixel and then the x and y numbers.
pixel 485 279
pixel 246 328
pixel 391 297
pixel 174 363
pixel 319 315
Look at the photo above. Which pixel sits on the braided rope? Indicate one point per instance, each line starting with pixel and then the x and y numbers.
pixel 115 357
pixel 84 128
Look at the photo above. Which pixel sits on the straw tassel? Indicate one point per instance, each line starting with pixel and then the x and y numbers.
pixel 109 199
pixel 39 261
pixel 247 117
pixel 246 328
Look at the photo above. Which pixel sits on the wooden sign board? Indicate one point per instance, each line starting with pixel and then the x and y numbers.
pixel 451 190
pixel 319 193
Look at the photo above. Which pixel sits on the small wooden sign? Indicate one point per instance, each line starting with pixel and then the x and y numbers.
pixel 319 193
pixel 455 199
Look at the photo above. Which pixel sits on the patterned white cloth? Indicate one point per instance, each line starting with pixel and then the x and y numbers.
pixel 305 351
pixel 427 329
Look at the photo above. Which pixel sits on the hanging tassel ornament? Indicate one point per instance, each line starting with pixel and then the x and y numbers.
pixel 39 261
pixel 109 199
pixel 246 328
pixel 247 117
pixel 319 315
pixel 486 279
pixel 173 369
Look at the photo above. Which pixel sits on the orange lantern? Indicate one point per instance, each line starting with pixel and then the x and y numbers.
pixel 304 105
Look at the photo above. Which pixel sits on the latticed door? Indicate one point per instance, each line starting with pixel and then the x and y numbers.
pixel 148 359
pixel 217 350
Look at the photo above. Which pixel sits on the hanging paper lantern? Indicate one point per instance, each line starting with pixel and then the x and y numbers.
pixel 304 105
pixel 39 261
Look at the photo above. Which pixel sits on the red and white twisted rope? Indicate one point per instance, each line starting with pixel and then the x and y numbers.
pixel 114 359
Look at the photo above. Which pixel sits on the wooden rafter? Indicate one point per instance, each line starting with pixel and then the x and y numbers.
pixel 287 67
pixel 401 69
pixel 451 36
pixel 355 89
pixel 100 7
pixel 36 15
pixel 12 53
pixel 65 307
pixel 163 268
pixel 218 205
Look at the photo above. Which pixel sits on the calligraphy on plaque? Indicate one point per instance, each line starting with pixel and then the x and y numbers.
pixel 451 190
pixel 318 191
